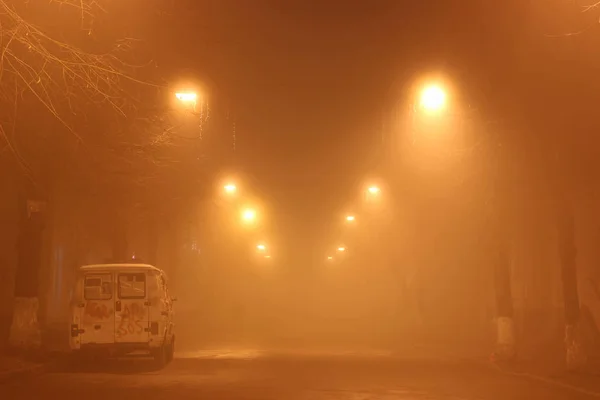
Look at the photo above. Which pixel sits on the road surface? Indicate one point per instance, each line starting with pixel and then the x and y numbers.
pixel 251 375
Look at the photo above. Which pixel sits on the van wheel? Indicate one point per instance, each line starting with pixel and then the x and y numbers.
pixel 160 356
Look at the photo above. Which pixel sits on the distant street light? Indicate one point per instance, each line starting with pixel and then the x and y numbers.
pixel 186 97
pixel 374 190
pixel 230 188
pixel 350 218
pixel 433 98
pixel 341 249
pixel 267 256
pixel 249 215
pixel 329 258
pixel 261 247
pixel 372 195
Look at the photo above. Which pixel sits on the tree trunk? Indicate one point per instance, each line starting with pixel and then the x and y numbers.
pixel 505 343
pixel 25 330
pixel 501 245
pixel 576 356
pixel 502 179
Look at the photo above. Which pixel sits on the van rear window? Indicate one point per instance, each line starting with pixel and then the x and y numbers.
pixel 132 286
pixel 98 287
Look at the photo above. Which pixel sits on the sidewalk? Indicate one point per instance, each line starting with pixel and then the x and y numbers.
pixel 548 367
pixel 16 363
pixel 552 370
pixel 12 367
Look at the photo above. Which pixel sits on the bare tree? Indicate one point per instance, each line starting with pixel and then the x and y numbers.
pixel 56 57
pixel 83 76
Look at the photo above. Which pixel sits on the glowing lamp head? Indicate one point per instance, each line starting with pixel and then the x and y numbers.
pixel 374 190
pixel 230 188
pixel 433 98
pixel 186 97
pixel 249 215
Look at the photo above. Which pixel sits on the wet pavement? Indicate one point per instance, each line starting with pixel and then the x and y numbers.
pixel 249 374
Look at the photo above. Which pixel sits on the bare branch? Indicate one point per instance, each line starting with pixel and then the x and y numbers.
pixel 54 70
pixel 76 80
pixel 590 7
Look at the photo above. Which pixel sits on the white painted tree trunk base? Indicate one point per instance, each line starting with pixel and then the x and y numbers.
pixel 25 330
pixel 505 344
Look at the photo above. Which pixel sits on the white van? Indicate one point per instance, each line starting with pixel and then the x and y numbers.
pixel 121 309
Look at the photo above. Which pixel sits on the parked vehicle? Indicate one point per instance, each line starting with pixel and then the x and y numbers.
pixel 122 309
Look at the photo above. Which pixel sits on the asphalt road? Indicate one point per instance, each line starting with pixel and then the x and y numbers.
pixel 251 375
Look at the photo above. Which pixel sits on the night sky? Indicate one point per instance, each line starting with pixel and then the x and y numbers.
pixel 309 80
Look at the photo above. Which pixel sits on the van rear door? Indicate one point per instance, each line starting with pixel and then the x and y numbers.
pixel 98 317
pixel 132 308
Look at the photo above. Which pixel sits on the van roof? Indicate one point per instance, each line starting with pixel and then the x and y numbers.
pixel 92 267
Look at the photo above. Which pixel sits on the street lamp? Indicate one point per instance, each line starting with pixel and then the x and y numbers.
pixel 433 98
pixel 230 188
pixel 261 247
pixel 350 218
pixel 186 97
pixel 341 249
pixel 329 258
pixel 372 194
pixel 249 215
pixel 374 190
pixel 191 100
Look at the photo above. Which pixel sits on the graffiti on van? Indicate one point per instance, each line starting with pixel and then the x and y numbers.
pixel 97 310
pixel 132 317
